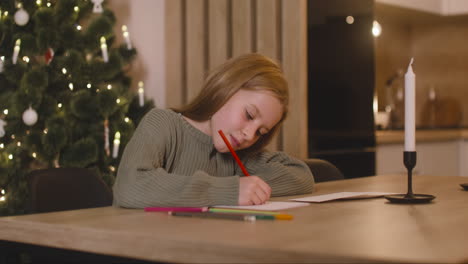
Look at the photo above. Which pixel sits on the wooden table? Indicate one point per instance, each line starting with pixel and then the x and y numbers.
pixel 369 230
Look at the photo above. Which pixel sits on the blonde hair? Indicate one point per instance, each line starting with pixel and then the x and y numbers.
pixel 253 72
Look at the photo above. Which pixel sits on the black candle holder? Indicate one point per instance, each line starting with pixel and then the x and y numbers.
pixel 409 159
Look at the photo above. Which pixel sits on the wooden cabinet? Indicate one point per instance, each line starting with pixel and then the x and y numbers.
pixel 440 7
pixel 433 158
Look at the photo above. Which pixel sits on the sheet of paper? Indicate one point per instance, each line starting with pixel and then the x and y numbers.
pixel 268 206
pixel 340 196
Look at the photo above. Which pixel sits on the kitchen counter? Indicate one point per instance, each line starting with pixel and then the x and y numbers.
pixel 422 135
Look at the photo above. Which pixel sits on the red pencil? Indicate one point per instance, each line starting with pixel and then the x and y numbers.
pixel 239 162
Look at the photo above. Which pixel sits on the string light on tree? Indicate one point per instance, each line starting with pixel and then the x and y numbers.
pixel 2 195
pixel 2 61
pixel 21 16
pixel 105 55
pixel 126 36
pixel 2 127
pixel 141 93
pixel 115 150
pixel 30 116
pixel 16 51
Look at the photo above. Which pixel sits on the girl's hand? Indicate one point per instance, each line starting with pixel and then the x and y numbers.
pixel 253 191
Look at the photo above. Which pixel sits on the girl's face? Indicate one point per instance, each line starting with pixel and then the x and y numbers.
pixel 245 117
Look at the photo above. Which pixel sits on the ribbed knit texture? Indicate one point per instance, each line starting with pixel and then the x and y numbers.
pixel 168 162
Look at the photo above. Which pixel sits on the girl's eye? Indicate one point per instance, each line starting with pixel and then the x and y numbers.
pixel 248 115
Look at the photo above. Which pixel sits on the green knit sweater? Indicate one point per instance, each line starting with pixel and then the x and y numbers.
pixel 168 162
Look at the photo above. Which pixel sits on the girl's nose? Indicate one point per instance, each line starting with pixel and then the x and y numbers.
pixel 249 133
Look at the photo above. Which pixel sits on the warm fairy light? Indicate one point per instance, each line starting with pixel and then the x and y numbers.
pixel 70 85
pixel 109 87
pixel 10 157
pixel 76 9
pixel 118 100
pixel 34 154
pixel 48 4
pixel 18 144
pixel 88 86
pixel 376 28
pixel 13 136
pixel 112 168
pixel 38 2
pixel 26 59
pixel 64 71
pixel 350 20
pixel 5 111
pixel 115 150
pixel 141 94
pixel 59 105
pixel 45 131
pixel 127 119
pixel 2 146
pixel 19 5
pixel 78 27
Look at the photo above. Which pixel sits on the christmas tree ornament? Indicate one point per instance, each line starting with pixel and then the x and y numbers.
pixel 16 51
pixel 97 6
pixel 30 116
pixel 126 36
pixel 105 55
pixel 2 60
pixel 21 16
pixel 2 127
pixel 49 55
pixel 106 137
pixel 115 150
pixel 141 94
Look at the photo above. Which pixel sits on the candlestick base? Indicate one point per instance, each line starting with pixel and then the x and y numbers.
pixel 410 199
pixel 409 159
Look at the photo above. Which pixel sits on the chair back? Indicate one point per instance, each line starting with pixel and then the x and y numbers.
pixel 59 189
pixel 324 170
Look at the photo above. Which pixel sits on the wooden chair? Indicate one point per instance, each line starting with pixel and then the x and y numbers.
pixel 61 189
pixel 324 170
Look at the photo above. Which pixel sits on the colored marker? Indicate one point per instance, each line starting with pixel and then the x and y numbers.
pixel 240 217
pixel 176 209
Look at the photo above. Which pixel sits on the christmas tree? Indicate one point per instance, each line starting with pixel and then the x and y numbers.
pixel 65 97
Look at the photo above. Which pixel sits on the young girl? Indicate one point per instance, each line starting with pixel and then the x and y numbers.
pixel 178 158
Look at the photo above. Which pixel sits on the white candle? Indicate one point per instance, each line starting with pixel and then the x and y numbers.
pixel 126 36
pixel 105 55
pixel 2 59
pixel 16 51
pixel 410 126
pixel 141 93
pixel 115 149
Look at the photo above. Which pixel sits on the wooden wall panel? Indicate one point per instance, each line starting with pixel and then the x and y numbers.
pixel 175 77
pixel 204 33
pixel 294 57
pixel 218 32
pixel 195 46
pixel 267 38
pixel 241 27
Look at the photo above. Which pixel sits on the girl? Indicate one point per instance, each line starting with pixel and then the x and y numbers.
pixel 178 158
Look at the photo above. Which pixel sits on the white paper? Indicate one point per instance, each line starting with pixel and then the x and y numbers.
pixel 340 196
pixel 268 206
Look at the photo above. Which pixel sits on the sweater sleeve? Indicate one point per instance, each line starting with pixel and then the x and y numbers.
pixel 142 179
pixel 285 175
